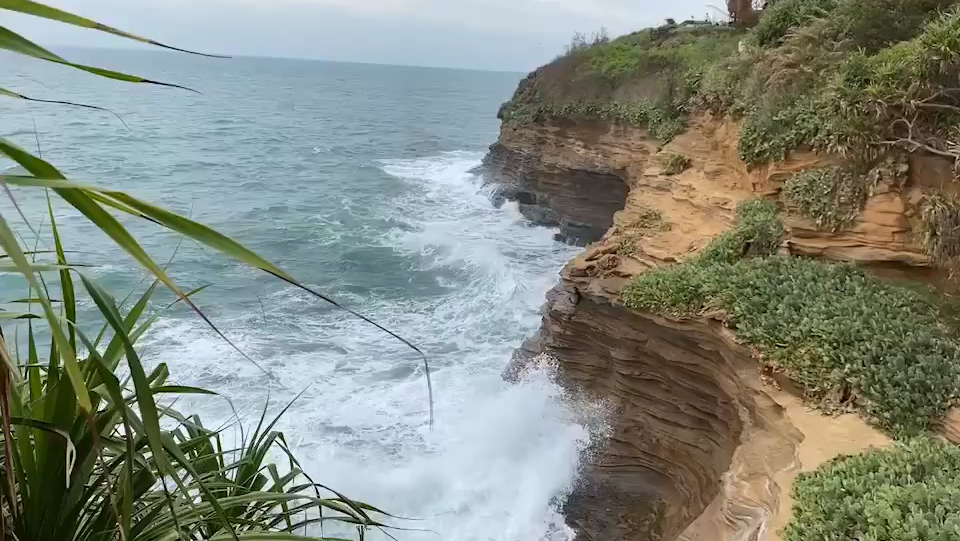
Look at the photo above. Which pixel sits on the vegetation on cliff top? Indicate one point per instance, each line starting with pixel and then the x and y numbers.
pixel 848 340
pixel 862 78
pixel 853 77
pixel 866 81
pixel 908 493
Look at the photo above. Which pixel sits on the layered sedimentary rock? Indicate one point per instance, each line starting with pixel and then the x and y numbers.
pixel 703 445
pixel 534 171
pixel 685 397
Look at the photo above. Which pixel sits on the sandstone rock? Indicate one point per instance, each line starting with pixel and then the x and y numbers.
pixel 703 446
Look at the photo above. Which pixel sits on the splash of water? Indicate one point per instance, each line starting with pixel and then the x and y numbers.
pixel 501 456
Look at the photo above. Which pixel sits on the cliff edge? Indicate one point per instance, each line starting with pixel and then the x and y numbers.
pixel 709 433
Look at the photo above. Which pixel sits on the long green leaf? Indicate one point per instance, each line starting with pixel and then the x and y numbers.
pixel 66 281
pixel 145 399
pixel 112 353
pixel 181 389
pixel 9 316
pixel 148 406
pixel 11 94
pixel 199 511
pixel 16 43
pixel 275 536
pixel 34 267
pixel 71 455
pixel 116 395
pixel 29 7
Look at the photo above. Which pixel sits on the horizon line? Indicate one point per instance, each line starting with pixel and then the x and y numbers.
pixel 147 49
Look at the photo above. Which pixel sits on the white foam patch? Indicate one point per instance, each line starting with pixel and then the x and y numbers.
pixel 500 457
pixel 457 222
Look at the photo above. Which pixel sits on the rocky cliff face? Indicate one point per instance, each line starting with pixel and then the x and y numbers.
pixel 703 446
pixel 534 169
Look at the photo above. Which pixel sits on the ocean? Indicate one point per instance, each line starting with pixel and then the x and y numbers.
pixel 361 181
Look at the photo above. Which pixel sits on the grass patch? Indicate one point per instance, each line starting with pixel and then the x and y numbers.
pixel 847 340
pixel 649 219
pixel 673 163
pixel 831 196
pixel 910 492
pixel 661 123
pixel 627 245
pixel 645 79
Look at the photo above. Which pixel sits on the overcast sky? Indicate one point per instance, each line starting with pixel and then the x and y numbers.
pixel 515 35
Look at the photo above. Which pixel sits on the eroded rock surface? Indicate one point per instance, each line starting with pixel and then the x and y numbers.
pixel 539 171
pixel 684 399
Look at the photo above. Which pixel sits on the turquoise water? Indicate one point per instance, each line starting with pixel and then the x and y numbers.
pixel 358 180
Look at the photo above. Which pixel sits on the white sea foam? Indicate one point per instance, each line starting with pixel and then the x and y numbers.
pixel 500 456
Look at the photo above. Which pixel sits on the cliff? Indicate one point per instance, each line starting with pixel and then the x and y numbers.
pixel 705 444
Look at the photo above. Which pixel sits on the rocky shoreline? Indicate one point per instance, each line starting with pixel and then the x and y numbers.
pixel 704 446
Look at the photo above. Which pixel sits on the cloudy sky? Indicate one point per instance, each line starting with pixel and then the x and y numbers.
pixel 512 35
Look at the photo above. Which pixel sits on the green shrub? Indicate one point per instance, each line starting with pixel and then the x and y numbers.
pixel 846 339
pixel 786 15
pixel 908 493
pixel 673 163
pixel 872 25
pixel 768 135
pixel 679 291
pixel 758 231
pixel 858 101
pixel 722 86
pixel 654 51
pixel 831 196
pixel 869 25
pixel 619 60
